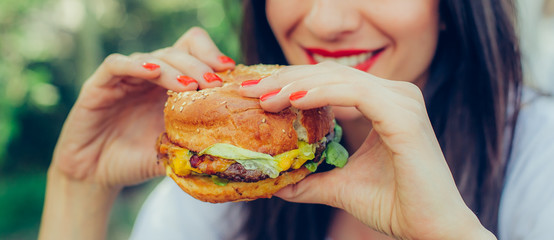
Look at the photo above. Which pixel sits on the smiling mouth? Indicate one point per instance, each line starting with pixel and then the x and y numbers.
pixel 359 59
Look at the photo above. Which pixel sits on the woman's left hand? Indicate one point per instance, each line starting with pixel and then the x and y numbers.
pixel 398 181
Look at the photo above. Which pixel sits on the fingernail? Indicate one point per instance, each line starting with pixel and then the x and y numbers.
pixel 297 95
pixel 186 80
pixel 210 77
pixel 250 82
pixel 225 59
pixel 150 66
pixel 269 95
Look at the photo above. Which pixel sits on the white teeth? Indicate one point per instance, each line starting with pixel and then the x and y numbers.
pixel 350 61
pixel 319 58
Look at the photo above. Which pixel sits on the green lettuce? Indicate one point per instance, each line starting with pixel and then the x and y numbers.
pixel 312 166
pixel 229 151
pixel 335 154
pixel 251 160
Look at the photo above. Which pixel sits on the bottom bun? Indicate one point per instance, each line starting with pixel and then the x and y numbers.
pixel 203 188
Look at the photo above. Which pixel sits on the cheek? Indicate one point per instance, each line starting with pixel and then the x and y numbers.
pixel 413 27
pixel 282 16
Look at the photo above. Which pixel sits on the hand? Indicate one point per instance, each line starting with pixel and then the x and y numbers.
pixel 398 181
pixel 109 136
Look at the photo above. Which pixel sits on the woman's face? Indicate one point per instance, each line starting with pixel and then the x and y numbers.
pixel 392 39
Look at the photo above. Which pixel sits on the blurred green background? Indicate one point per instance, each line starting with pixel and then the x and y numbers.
pixel 48 49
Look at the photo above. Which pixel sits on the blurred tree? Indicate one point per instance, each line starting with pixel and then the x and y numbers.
pixel 48 49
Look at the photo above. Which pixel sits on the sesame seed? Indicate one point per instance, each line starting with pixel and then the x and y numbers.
pixel 181 109
pixel 283 130
pixel 263 120
pixel 198 130
pixel 173 107
pixel 165 105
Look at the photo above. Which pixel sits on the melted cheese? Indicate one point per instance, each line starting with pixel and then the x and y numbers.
pixel 181 161
pixel 294 159
pixel 286 159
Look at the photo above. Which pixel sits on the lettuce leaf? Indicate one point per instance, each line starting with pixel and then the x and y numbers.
pixel 251 160
pixel 338 132
pixel 312 166
pixel 229 151
pixel 336 154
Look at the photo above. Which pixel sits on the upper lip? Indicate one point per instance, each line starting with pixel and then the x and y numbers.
pixel 338 53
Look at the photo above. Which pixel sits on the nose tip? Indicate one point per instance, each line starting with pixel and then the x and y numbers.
pixel 329 19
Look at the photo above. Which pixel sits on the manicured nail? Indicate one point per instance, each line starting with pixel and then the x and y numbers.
pixel 297 95
pixel 186 80
pixel 269 95
pixel 150 66
pixel 225 59
pixel 250 82
pixel 211 77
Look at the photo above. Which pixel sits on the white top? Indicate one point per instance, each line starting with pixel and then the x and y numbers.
pixel 526 208
pixel 527 203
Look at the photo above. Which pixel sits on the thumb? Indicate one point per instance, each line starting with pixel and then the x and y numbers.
pixel 321 188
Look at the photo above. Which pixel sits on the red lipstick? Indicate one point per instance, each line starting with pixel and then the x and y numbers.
pixel 336 54
pixel 363 66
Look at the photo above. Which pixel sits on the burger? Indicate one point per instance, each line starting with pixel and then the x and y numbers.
pixel 219 146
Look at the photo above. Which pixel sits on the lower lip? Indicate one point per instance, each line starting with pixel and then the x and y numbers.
pixel 363 66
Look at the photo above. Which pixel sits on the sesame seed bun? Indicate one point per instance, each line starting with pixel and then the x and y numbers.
pixel 196 120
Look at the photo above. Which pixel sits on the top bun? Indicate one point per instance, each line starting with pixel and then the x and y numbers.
pixel 196 120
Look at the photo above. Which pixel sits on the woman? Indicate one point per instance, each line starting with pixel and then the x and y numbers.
pixel 427 166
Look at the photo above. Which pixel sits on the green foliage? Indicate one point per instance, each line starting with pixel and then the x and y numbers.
pixel 48 49
pixel 21 198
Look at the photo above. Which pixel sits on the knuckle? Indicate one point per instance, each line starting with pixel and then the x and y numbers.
pixel 137 55
pixel 163 51
pixel 411 90
pixel 113 58
pixel 196 31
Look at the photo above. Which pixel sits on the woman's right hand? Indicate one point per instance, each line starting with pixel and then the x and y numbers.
pixel 108 139
pixel 109 136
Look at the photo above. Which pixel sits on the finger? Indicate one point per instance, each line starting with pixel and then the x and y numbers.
pixel 320 188
pixel 395 117
pixel 372 100
pixel 189 66
pixel 284 76
pixel 199 44
pixel 117 67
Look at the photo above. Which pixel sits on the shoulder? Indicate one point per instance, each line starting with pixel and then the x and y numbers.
pixel 170 213
pixel 527 204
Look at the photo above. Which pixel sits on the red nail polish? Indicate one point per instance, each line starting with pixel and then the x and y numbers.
pixel 150 66
pixel 297 95
pixel 269 95
pixel 186 80
pixel 225 59
pixel 210 77
pixel 250 82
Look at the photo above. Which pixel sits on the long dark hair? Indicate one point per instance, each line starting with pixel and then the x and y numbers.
pixel 472 95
